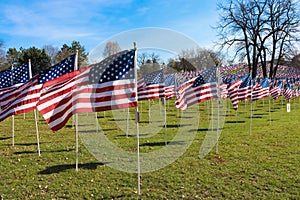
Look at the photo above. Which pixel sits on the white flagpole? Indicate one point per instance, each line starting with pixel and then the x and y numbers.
pixel 13 129
pixel 137 119
pixel 165 113
pixel 13 116
pixel 270 118
pixel 76 119
pixel 149 115
pixel 37 132
pixel 35 116
pixel 97 124
pixel 251 89
pixel 127 122
pixel 76 138
pixel 219 99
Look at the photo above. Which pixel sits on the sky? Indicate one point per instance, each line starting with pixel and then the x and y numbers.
pixel 28 23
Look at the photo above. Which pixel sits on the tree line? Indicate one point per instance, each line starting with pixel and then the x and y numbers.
pixel 260 33
pixel 41 58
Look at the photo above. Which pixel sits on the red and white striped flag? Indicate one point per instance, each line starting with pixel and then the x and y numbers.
pixel 24 98
pixel 107 85
pixel 198 89
pixel 151 86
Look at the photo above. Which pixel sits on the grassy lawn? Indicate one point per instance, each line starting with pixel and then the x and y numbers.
pixel 263 163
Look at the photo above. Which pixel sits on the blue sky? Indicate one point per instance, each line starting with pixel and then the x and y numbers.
pixel 27 23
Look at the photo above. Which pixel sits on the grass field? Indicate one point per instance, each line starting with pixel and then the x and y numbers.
pixel 260 164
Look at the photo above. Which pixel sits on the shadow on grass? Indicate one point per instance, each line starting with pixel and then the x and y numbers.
pixel 205 129
pixel 62 168
pixel 258 117
pixel 27 144
pixel 133 135
pixel 235 122
pixel 5 138
pixel 152 144
pixel 24 152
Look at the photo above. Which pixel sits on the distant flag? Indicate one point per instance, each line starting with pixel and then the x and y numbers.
pixel 153 86
pixel 276 90
pixel 25 97
pixel 261 90
pixel 169 86
pixel 107 85
pixel 224 91
pixel 198 89
pixel 233 87
pixel 244 91
pixel 288 91
pixel 297 91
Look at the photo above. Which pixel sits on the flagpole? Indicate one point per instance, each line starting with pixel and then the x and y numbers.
pixel 97 124
pixel 76 138
pixel 76 119
pixel 137 119
pixel 165 113
pixel 219 99
pixel 13 130
pixel 35 115
pixel 127 121
pixel 270 118
pixel 149 115
pixel 251 89
pixel 13 116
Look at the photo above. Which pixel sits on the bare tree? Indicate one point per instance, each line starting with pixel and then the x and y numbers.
pixel 141 58
pixel 259 31
pixel 52 52
pixel 201 58
pixel 111 48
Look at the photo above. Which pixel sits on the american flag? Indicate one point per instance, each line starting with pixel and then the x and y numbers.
pixel 261 90
pixel 25 97
pixel 198 89
pixel 11 79
pixel 107 85
pixel 233 87
pixel 152 87
pixel 297 91
pixel 224 91
pixel 276 90
pixel 288 91
pixel 170 86
pixel 244 91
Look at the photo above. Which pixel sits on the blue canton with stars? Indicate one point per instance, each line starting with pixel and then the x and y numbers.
pixel 14 76
pixel 64 67
pixel 264 83
pixel 154 77
pixel 246 81
pixel 206 76
pixel 116 67
pixel 169 80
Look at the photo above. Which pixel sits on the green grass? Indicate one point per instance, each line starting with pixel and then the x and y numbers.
pixel 262 164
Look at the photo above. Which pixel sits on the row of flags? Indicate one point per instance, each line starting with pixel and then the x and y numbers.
pixel 62 90
pixel 244 88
